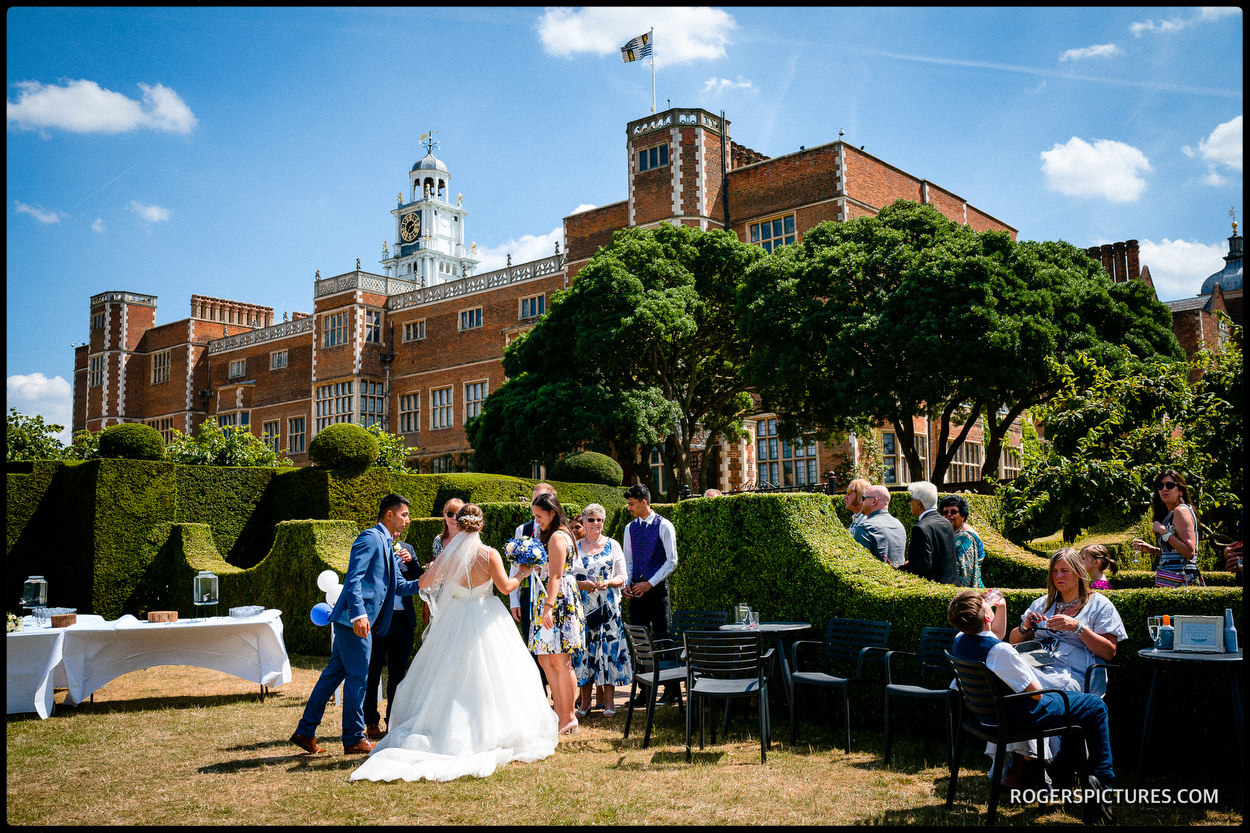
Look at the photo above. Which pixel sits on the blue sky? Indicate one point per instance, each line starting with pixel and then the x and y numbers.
pixel 234 152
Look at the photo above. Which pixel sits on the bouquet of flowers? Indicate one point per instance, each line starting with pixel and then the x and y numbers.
pixel 525 551
pixel 13 624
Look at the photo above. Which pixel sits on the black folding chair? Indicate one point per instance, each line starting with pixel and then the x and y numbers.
pixel 726 665
pixel 931 666
pixel 649 674
pixel 983 714
pixel 848 644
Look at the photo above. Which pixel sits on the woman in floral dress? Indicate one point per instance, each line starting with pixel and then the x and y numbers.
pixel 556 627
pixel 600 570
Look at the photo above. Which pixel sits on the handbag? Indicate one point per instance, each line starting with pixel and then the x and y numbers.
pixel 598 617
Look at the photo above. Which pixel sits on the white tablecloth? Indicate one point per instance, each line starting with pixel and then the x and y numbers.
pixel 93 652
pixel 33 666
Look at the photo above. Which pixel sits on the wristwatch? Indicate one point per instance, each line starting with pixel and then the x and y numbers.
pixel 1080 628
pixel 1165 536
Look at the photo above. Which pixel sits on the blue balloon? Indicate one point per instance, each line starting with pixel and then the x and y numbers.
pixel 320 614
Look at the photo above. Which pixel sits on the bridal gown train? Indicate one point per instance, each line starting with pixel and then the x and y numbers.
pixel 472 700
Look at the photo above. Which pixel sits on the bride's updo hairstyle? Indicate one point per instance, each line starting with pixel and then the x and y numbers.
pixel 549 502
pixel 470 519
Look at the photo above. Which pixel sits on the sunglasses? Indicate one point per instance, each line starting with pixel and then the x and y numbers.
pixel 950 513
pixel 1167 485
pixel 449 514
pixel 592 520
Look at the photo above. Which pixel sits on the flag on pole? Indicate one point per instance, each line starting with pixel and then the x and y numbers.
pixel 636 49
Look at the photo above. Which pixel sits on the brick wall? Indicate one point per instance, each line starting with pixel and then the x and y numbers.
pixel 586 232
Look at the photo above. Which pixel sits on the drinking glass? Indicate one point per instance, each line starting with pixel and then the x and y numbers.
pixel 754 622
pixel 1152 625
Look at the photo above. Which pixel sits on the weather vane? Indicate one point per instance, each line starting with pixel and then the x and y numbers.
pixel 430 141
pixel 1232 212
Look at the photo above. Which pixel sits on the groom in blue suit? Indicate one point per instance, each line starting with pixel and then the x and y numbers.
pixel 364 607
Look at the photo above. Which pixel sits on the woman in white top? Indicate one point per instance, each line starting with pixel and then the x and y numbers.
pixel 1084 625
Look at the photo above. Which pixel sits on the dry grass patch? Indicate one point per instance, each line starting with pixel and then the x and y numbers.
pixel 180 745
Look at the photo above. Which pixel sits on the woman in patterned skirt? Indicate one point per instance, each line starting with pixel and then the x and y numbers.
pixel 600 570
pixel 556 627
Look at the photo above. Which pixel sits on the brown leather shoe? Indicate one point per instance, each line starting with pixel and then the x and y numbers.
pixel 374 731
pixel 360 747
pixel 306 743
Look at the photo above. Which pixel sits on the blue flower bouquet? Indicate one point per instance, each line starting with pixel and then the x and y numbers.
pixel 525 552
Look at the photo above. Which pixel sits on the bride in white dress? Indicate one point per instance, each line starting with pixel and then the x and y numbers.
pixel 472 700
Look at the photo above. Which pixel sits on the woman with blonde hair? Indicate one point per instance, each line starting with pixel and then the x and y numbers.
pixel 855 501
pixel 1084 626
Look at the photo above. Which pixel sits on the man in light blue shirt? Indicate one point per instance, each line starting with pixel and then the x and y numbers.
pixel 881 533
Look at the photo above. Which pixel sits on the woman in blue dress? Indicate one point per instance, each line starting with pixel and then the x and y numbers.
pixel 600 569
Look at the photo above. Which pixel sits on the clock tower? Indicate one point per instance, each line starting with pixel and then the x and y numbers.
pixel 429 227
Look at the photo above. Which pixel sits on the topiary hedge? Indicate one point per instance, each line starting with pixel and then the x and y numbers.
pixel 343 445
pixel 132 441
pixel 588 467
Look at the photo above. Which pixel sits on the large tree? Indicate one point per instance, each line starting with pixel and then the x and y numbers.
pixel 908 314
pixel 1109 436
pixel 640 350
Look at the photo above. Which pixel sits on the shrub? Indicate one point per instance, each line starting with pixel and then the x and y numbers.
pixel 233 445
pixel 343 445
pixel 30 438
pixel 588 467
pixel 132 441
pixel 392 451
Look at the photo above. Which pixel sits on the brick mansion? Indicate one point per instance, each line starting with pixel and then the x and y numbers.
pixel 416 346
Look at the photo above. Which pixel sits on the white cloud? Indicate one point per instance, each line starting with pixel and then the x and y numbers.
pixel 528 247
pixel 40 213
pixel 1205 14
pixel 98 225
pixel 682 34
pixel 1178 267
pixel 52 399
pixel 1102 50
pixel 583 207
pixel 1224 145
pixel 720 85
pixel 86 107
pixel 1213 178
pixel 1107 169
pixel 150 213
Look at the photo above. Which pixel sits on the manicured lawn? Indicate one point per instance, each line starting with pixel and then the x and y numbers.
pixel 180 745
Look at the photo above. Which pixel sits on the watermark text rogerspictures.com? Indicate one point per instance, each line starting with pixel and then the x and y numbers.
pixel 1159 795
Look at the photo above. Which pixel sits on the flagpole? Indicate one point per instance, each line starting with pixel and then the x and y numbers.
pixel 652 38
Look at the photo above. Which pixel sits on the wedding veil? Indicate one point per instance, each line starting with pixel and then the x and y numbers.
pixel 449 571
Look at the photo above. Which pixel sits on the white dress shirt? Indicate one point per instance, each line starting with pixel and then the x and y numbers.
pixel 667 536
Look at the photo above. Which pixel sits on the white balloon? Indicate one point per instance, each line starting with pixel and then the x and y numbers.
pixel 327 579
pixel 332 595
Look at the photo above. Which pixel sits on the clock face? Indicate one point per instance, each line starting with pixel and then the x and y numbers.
pixel 410 227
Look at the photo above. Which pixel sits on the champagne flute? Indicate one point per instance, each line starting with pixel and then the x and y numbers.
pixel 1152 625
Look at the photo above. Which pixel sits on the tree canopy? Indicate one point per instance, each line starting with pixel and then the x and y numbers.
pixel 908 314
pixel 641 350
pixel 30 438
pixel 1108 435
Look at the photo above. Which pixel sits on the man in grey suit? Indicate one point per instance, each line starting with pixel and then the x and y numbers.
pixel 881 533
pixel 931 553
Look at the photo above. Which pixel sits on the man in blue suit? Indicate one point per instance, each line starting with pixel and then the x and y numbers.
pixel 364 607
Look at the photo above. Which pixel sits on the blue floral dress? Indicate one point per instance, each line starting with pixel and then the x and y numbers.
pixel 605 659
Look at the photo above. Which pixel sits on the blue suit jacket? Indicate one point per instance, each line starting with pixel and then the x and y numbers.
pixel 372 582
